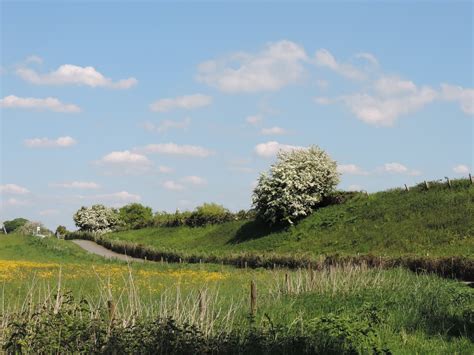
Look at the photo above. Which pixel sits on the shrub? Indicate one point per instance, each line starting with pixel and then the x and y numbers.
pixel 209 213
pixel 136 216
pixel 31 228
pixel 14 224
pixel 97 219
pixel 296 183
pixel 61 231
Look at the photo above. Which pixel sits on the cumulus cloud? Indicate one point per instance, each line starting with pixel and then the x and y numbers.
pixel 69 74
pixel 13 189
pixel 393 85
pixel 351 169
pixel 175 149
pixel 277 65
pixel 465 97
pixel 61 142
pixel 397 168
pixel 173 185
pixel 461 169
pixel 34 59
pixel 188 102
pixel 324 58
pixel 194 180
pixel 273 131
pixel 78 185
pixel 166 125
pixel 270 149
pixel 49 103
pixel 125 162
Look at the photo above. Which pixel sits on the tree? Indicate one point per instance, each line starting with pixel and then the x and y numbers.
pixel 136 216
pixel 14 224
pixel 97 219
pixel 294 185
pixel 209 213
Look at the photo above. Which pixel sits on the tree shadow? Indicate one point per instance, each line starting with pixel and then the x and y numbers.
pixel 254 229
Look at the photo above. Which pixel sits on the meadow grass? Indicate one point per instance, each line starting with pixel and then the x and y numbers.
pixel 424 223
pixel 395 309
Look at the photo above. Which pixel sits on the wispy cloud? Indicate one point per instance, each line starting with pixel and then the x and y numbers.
pixel 13 189
pixel 324 58
pixel 77 185
pixel 461 169
pixel 277 65
pixel 175 149
pixel 273 131
pixel 166 125
pixel 270 149
pixel 49 103
pixel 351 169
pixel 61 142
pixel 187 102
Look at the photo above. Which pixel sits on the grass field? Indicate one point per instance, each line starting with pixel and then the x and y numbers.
pixel 433 223
pixel 341 309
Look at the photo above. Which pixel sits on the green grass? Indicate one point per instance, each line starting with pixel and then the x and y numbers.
pixel 407 313
pixel 433 223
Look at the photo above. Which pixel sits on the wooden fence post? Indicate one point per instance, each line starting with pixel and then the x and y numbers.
pixel 245 265
pixel 253 298
pixel 287 282
pixel 427 185
pixel 111 309
pixel 202 307
pixel 470 179
pixel 406 188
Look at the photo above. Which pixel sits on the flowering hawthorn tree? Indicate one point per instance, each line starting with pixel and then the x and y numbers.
pixel 294 185
pixel 98 219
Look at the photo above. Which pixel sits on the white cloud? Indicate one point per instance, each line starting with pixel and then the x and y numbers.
pixel 465 97
pixel 194 180
pixel 384 111
pixel 173 185
pixel 270 149
pixel 322 84
pixel 393 85
pixel 34 59
pixel 324 58
pixel 165 169
pixel 175 149
pixel 273 131
pixel 125 162
pixel 78 185
pixel 13 189
pixel 461 169
pixel 254 120
pixel 122 196
pixel 368 57
pixel 188 102
pixel 277 65
pixel 74 75
pixel 351 169
pixel 14 202
pixel 397 168
pixel 49 103
pixel 165 125
pixel 61 142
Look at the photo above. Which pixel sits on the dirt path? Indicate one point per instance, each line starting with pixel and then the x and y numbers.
pixel 97 249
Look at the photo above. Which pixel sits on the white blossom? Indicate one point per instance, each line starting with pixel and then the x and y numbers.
pixel 98 218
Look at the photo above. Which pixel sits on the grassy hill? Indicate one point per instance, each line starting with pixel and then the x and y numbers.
pixel 437 222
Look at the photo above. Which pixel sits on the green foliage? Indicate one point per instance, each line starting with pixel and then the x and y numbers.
pixel 136 216
pixel 296 183
pixel 61 231
pixel 14 224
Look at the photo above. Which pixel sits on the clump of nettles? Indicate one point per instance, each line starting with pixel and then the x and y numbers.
pixel 295 184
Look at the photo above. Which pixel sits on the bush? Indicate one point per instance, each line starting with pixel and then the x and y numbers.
pixel 297 182
pixel 13 225
pixel 31 228
pixel 136 216
pixel 61 231
pixel 209 213
pixel 97 219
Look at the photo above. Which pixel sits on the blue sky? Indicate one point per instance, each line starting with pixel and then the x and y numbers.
pixel 175 104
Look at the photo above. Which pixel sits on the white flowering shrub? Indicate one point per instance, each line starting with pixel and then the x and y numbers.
pixel 294 185
pixel 97 219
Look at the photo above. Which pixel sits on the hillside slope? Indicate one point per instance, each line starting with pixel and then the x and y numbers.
pixel 434 222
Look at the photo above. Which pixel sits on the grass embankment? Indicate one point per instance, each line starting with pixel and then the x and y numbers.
pixel 421 229
pixel 127 309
